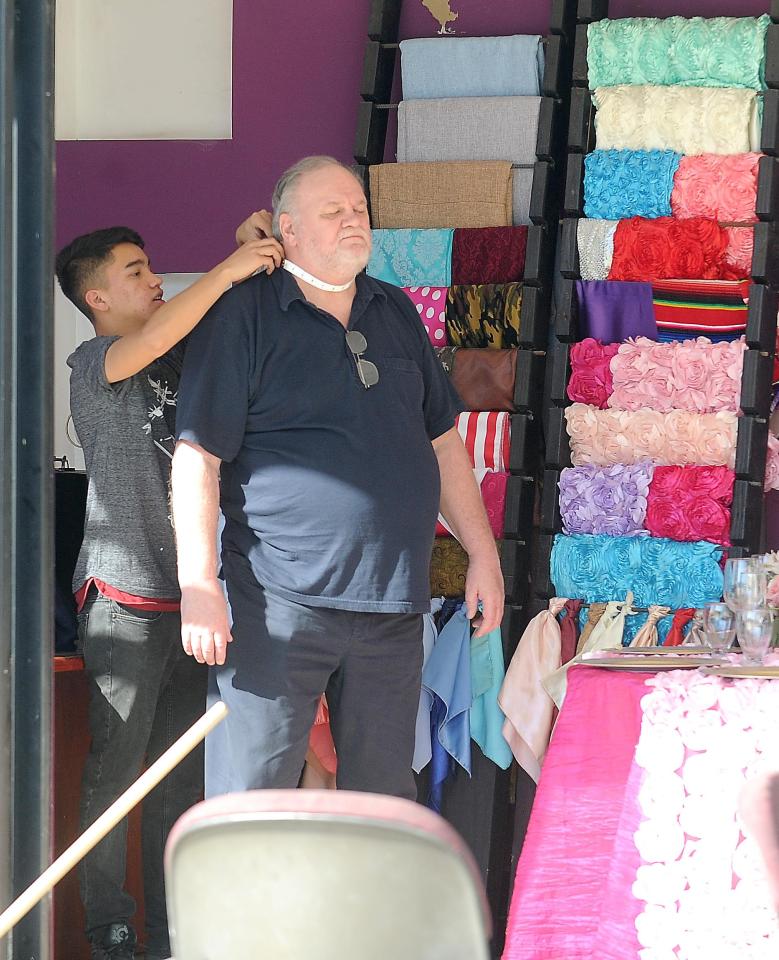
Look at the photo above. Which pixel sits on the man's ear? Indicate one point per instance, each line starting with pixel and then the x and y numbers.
pixel 286 228
pixel 95 300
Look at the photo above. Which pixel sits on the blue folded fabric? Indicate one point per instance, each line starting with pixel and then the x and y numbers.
pixel 422 746
pixel 412 258
pixel 656 570
pixel 619 184
pixel 435 67
pixel 487 673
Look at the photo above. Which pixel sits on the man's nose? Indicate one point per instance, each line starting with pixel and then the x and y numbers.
pixel 155 280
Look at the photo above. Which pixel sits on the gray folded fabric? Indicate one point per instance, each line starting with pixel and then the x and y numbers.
pixel 521 190
pixel 434 67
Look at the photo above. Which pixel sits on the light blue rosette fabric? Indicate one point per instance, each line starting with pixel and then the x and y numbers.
pixel 619 184
pixel 694 52
pixel 412 258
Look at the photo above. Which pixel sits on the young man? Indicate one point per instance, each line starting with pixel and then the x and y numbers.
pixel 144 690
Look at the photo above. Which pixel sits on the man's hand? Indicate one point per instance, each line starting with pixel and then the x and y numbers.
pixel 484 582
pixel 252 256
pixel 205 627
pixel 259 226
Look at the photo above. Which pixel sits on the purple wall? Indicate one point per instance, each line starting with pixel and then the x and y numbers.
pixel 296 72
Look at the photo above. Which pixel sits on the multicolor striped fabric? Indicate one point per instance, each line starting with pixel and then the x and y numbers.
pixel 487 438
pixel 700 308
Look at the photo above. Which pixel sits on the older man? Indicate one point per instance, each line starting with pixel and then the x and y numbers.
pixel 316 393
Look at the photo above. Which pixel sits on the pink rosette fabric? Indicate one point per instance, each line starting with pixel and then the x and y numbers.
pixel 492 485
pixel 723 187
pixel 772 464
pixel 431 307
pixel 690 504
pixel 695 375
pixel 591 372
pixel 678 438
pixel 739 249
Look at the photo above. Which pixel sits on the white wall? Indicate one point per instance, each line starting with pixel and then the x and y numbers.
pixel 70 329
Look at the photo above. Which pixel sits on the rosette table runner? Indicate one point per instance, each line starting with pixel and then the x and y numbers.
pixel 591 380
pixel 655 570
pixel 605 500
pixel 678 438
pixel 487 438
pixel 721 187
pixel 488 255
pixel 437 67
pixel 486 315
pixel 460 193
pixel 688 120
pixel 411 257
pixel 430 303
pixel 696 52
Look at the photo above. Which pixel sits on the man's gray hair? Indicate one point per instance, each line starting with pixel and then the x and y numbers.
pixel 284 191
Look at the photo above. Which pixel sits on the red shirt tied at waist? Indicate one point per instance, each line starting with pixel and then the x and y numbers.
pixel 126 599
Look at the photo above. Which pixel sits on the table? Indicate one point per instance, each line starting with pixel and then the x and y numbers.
pixel 634 850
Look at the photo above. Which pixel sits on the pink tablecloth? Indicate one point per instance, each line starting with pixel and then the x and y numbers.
pixel 572 891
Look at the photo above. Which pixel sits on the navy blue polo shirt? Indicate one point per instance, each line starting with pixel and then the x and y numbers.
pixel 331 490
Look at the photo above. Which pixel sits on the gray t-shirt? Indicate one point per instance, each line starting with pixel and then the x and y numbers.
pixel 127 431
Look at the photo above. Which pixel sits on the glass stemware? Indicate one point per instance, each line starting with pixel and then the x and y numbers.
pixel 719 626
pixel 754 629
pixel 744 584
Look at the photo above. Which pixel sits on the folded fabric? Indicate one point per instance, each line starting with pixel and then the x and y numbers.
pixel 685 249
pixel 492 486
pixel 487 438
pixel 611 311
pixel 486 315
pixel 410 258
pixel 688 308
pixel 431 307
pixel 695 375
pixel 738 251
pixel 483 379
pixel 688 120
pixel 423 750
pixel 486 717
pixel 629 183
pixel 721 187
pixel 605 500
pixel 448 568
pixel 469 128
pixel 523 699
pixel 471 67
pixel 488 255
pixel 647 633
pixel 590 381
pixel 678 438
pixel 589 617
pixel 595 240
pixel 657 571
pixel 461 193
pixel 699 52
pixel 690 503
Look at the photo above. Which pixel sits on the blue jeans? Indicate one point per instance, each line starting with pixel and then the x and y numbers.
pixel 144 693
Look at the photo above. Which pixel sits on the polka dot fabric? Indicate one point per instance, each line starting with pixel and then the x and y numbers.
pixel 431 307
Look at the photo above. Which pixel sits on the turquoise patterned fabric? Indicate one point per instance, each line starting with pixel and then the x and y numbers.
pixel 619 184
pixel 412 258
pixel 695 52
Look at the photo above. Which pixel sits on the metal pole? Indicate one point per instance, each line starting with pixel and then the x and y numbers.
pixel 33 621
pixel 6 442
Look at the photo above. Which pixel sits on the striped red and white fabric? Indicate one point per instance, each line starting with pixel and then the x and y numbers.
pixel 487 438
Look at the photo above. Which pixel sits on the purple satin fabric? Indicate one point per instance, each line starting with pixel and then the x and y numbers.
pixel 613 310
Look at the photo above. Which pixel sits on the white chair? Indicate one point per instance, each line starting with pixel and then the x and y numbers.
pixel 321 875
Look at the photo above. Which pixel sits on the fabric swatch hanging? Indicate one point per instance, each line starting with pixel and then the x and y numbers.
pixel 430 303
pixel 590 381
pixel 449 566
pixel 698 52
pixel 409 258
pixel 687 120
pixel 488 255
pixel 629 183
pixel 459 193
pixel 605 500
pixel 688 308
pixel 487 438
pixel 611 311
pixel 486 717
pixel 471 67
pixel 483 379
pixel 690 503
pixel 595 241
pixel 492 486
pixel 486 315
pixel 721 187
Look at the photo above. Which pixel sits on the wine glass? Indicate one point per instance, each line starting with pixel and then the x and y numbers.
pixel 754 628
pixel 744 584
pixel 719 626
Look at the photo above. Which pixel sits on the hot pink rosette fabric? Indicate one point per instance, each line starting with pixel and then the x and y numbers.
pixel 492 485
pixel 695 375
pixel 431 306
pixel 678 438
pixel 690 504
pixel 720 186
pixel 590 372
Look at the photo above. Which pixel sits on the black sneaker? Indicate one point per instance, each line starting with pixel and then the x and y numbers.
pixel 116 942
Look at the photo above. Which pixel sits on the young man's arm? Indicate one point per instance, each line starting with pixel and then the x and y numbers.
pixel 463 510
pixel 175 319
pixel 205 628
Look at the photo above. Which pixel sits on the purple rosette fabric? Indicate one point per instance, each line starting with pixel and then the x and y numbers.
pixel 605 500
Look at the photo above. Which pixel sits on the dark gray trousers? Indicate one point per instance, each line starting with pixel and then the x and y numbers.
pixel 283 657
pixel 144 693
